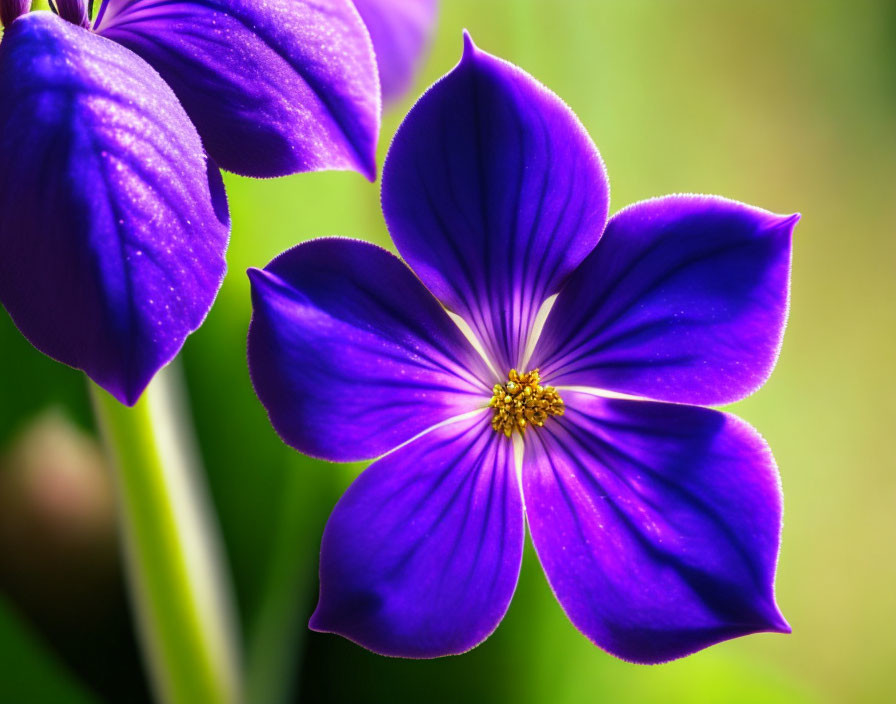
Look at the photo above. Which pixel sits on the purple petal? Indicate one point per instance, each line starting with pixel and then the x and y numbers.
pixel 10 10
pixel 351 355
pixel 493 193
pixel 273 87
pixel 658 525
pixel 401 31
pixel 421 555
pixel 75 11
pixel 684 299
pixel 113 227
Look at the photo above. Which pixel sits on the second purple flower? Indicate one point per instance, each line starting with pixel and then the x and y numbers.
pixel 113 217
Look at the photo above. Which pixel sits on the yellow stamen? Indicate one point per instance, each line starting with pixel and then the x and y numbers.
pixel 522 402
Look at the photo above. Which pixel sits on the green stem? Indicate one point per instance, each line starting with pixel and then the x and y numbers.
pixel 172 553
pixel 277 634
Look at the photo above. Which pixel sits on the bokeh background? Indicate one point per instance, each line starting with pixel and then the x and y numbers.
pixel 790 105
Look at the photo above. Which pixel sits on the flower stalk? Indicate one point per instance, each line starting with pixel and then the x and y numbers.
pixel 182 602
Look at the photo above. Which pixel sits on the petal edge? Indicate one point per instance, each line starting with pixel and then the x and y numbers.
pixel 351 355
pixel 658 525
pixel 274 87
pixel 493 193
pixel 421 555
pixel 128 261
pixel 685 299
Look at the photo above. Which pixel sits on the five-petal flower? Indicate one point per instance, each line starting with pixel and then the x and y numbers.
pixel 657 522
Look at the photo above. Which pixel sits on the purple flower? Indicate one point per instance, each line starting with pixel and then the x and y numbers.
pixel 657 521
pixel 113 221
pixel 400 31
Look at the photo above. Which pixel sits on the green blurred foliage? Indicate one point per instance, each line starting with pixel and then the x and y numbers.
pixel 30 673
pixel 787 105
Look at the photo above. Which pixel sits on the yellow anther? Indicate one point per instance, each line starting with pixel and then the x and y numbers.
pixel 522 402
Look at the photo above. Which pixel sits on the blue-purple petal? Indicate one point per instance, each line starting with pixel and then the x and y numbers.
pixel 74 11
pixel 10 10
pixel 274 87
pixel 400 31
pixel 351 355
pixel 685 299
pixel 658 525
pixel 113 227
pixel 421 555
pixel 493 193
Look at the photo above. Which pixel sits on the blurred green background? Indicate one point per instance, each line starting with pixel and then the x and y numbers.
pixel 787 105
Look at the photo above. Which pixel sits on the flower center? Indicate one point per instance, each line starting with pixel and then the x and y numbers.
pixel 522 401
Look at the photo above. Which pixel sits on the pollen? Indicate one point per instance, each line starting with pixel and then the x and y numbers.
pixel 522 402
